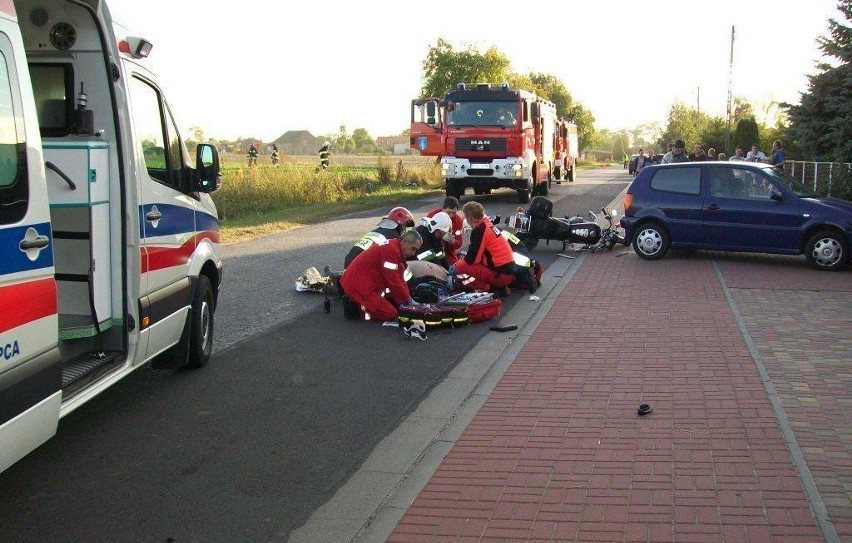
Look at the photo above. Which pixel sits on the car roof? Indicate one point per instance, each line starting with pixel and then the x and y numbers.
pixel 716 164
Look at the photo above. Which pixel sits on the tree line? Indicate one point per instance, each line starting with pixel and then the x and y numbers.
pixel 818 128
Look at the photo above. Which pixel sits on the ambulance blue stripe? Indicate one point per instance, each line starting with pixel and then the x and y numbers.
pixel 14 260
pixel 206 222
pixel 176 220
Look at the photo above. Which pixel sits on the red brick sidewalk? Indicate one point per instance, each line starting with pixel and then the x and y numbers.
pixel 558 453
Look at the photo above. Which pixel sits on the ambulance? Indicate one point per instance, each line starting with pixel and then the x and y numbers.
pixel 109 240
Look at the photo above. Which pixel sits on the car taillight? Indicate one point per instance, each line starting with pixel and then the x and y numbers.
pixel 628 201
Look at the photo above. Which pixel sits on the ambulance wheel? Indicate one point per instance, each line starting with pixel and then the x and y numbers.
pixel 201 324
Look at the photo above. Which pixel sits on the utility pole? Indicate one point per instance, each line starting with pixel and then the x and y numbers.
pixel 730 95
pixel 698 117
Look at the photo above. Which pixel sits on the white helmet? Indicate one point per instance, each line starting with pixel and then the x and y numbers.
pixel 441 221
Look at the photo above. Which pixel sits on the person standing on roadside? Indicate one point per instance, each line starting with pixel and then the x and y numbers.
pixel 755 155
pixel 640 162
pixel 324 156
pixel 738 154
pixel 698 154
pixel 677 153
pixel 778 156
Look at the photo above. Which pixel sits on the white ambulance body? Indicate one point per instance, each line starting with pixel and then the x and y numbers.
pixel 109 241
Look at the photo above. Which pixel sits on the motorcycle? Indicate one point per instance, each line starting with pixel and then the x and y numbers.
pixel 538 223
pixel 609 235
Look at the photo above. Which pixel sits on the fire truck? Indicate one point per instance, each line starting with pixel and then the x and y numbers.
pixel 488 137
pixel 566 151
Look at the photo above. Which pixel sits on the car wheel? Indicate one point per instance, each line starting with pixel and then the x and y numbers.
pixel 827 250
pixel 201 324
pixel 651 241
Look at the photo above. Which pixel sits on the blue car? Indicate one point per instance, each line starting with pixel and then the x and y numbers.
pixel 734 206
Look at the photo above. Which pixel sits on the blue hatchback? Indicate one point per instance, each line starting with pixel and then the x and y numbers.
pixel 734 206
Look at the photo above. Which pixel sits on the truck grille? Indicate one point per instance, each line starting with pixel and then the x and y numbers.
pixel 480 144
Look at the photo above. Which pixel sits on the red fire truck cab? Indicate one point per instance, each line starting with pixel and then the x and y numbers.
pixel 566 151
pixel 488 137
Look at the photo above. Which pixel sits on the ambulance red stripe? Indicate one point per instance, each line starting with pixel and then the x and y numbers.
pixel 26 302
pixel 159 258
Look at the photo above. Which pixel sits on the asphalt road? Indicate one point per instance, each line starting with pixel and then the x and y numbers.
pixel 288 408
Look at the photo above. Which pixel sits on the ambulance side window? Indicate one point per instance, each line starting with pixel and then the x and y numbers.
pixel 161 145
pixel 14 181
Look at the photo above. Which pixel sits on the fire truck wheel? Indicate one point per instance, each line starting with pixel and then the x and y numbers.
pixel 201 324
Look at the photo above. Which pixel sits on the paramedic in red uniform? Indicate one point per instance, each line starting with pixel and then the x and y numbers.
pixel 375 280
pixel 453 240
pixel 489 263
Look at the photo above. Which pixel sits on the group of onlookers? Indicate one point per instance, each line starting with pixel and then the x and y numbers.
pixel 677 153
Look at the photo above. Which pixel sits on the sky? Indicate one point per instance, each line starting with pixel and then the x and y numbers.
pixel 262 67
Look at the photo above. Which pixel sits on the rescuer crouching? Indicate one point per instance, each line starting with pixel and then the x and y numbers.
pixel 375 283
pixel 489 264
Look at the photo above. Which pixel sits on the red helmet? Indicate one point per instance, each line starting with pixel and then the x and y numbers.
pixel 402 217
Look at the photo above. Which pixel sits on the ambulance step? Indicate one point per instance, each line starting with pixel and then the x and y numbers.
pixel 87 364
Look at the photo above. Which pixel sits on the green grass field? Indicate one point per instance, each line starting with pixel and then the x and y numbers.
pixel 265 198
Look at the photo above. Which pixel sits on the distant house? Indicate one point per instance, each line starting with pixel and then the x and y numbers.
pixel 397 145
pixel 298 142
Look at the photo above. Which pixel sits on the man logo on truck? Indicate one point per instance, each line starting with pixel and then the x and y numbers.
pixel 480 145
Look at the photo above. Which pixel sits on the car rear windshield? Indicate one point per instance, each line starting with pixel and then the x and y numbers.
pixel 678 180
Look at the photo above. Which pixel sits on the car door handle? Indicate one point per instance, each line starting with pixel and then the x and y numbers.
pixel 37 243
pixel 713 207
pixel 154 215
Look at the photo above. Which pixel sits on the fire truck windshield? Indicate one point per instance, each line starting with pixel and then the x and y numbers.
pixel 503 114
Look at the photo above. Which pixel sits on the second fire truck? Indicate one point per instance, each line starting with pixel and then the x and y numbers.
pixel 489 137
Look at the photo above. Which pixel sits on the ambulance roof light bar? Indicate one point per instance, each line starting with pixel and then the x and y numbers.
pixel 135 47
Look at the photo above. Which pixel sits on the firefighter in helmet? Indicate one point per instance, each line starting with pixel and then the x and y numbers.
pixel 252 155
pixel 455 238
pixel 433 230
pixel 397 221
pixel 324 155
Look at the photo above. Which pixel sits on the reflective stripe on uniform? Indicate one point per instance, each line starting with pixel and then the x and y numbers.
pixel 391 265
pixel 521 260
pixel 407 275
pixel 510 237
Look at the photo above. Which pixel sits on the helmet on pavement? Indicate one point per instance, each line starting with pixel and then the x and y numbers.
pixel 440 221
pixel 401 216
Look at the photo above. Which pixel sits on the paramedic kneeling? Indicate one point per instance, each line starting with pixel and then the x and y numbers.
pixel 489 263
pixel 375 280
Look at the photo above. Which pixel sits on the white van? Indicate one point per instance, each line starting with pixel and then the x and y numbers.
pixel 109 241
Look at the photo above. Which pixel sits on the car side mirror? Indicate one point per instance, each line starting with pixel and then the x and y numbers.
pixel 208 174
pixel 777 196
